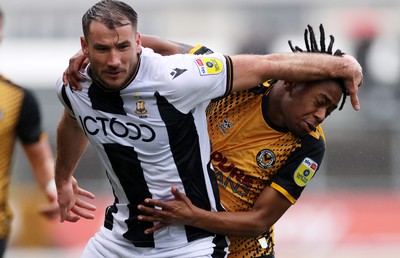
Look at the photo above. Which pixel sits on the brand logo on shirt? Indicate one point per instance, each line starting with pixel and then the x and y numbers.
pixel 121 129
pixel 209 65
pixel 230 176
pixel 304 172
pixel 265 159
pixel 176 72
pixel 225 125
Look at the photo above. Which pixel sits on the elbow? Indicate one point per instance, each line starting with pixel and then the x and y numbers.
pixel 258 227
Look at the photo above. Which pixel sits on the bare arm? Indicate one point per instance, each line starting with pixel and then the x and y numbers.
pixel 269 207
pixel 41 160
pixel 71 143
pixel 250 70
pixel 256 69
pixel 163 46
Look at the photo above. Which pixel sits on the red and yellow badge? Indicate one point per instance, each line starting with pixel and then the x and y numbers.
pixel 209 65
pixel 304 172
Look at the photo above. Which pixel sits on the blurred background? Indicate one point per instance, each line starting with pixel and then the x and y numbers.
pixel 349 210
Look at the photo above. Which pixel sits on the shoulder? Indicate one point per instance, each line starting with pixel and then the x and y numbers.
pixel 314 142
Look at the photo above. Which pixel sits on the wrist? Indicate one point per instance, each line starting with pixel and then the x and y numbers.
pixel 50 186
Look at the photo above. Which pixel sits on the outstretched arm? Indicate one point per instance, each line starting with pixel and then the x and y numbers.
pixel 69 152
pixel 256 69
pixel 163 46
pixel 269 207
pixel 250 70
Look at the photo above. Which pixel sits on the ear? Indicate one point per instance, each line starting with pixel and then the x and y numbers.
pixel 84 46
pixel 289 85
pixel 138 40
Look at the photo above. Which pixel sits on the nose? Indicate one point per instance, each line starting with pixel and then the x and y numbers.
pixel 320 115
pixel 114 59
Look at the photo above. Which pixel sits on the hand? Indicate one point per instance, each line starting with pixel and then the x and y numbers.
pixel 73 208
pixel 72 75
pixel 178 211
pixel 354 81
pixel 50 210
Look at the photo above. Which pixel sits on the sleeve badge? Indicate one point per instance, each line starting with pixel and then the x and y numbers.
pixel 304 172
pixel 208 65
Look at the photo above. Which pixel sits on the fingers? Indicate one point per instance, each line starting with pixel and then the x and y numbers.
pixel 63 213
pixel 81 209
pixel 72 218
pixel 177 194
pixel 354 80
pixel 85 193
pixel 85 205
pixel 354 101
pixel 158 203
pixel 155 228
pixel 154 215
pixel 82 213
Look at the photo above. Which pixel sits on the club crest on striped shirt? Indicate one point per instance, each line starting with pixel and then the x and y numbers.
pixel 140 107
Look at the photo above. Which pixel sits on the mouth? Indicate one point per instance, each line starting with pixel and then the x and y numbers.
pixel 113 73
pixel 310 126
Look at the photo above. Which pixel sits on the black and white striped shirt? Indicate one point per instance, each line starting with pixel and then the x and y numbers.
pixel 152 135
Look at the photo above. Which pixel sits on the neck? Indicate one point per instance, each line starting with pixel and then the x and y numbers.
pixel 274 111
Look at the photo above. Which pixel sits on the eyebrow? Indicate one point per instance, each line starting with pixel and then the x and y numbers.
pixel 328 101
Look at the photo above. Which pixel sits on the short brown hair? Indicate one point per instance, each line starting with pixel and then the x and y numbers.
pixel 112 13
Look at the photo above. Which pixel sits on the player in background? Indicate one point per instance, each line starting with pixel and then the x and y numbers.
pixel 20 119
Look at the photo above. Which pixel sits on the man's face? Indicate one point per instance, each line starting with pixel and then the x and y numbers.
pixel 306 105
pixel 112 53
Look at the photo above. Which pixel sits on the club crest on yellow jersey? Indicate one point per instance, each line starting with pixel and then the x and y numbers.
pixel 209 65
pixel 265 158
pixel 305 171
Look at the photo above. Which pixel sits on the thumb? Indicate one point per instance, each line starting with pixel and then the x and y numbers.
pixel 177 194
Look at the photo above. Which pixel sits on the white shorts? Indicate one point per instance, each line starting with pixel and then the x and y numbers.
pixel 105 244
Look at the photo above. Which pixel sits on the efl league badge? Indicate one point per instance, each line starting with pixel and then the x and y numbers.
pixel 305 172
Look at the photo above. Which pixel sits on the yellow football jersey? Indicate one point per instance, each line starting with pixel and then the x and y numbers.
pixel 19 118
pixel 249 153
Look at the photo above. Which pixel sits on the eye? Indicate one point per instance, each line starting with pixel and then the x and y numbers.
pixel 124 46
pixel 329 111
pixel 101 48
pixel 319 103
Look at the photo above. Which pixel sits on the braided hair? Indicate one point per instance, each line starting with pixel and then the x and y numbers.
pixel 312 47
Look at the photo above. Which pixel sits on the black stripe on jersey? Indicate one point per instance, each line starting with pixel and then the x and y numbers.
pixel 229 79
pixel 229 76
pixel 184 144
pixel 106 101
pixel 66 99
pixel 126 165
pixel 220 245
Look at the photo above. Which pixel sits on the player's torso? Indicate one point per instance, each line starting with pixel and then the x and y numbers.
pixel 11 98
pixel 151 135
pixel 246 151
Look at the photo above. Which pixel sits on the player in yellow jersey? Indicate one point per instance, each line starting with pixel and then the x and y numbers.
pixel 267 145
pixel 20 119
